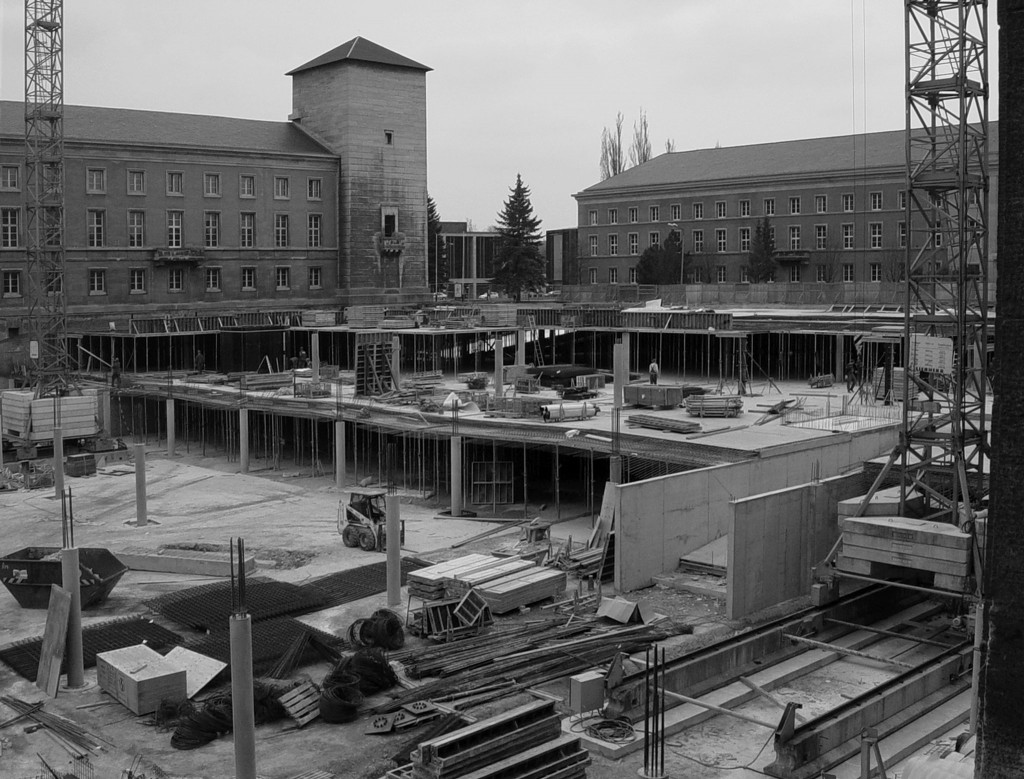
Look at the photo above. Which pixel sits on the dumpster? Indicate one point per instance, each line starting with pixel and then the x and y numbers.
pixel 29 572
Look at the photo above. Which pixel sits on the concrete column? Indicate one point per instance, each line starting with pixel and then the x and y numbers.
pixel 396 360
pixel 456 466
pixel 314 354
pixel 499 367
pixel 58 462
pixel 71 581
pixel 242 713
pixel 619 376
pixel 394 551
pixel 106 421
pixel 140 485
pixel 243 439
pixel 171 437
pixel 627 357
pixel 521 348
pixel 339 453
pixel 839 370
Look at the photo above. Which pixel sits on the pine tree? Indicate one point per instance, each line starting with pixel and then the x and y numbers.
pixel 519 265
pixel 437 268
pixel 661 264
pixel 761 260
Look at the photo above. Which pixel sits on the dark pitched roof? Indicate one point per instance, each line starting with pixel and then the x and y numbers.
pixel 784 158
pixel 160 128
pixel 362 50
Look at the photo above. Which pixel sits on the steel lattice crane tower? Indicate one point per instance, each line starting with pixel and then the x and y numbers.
pixel 44 205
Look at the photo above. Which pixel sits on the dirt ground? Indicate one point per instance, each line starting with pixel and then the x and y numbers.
pixel 289 519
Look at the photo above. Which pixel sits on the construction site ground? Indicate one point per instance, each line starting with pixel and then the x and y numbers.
pixel 289 519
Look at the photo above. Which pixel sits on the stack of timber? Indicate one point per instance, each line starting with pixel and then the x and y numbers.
pixel 499 315
pixel 312 389
pixel 319 318
pixel 505 583
pixel 663 423
pixel 714 405
pixel 364 316
pixel 422 380
pixel 519 743
pixel 887 547
pixel 520 589
pixel 256 382
pixel 431 583
pixel 465 581
pixel 32 420
pixel 397 323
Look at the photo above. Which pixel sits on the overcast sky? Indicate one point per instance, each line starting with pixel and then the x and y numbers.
pixel 516 87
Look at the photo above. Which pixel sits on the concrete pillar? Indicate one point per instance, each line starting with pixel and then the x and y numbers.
pixel 140 485
pixel 394 551
pixel 619 375
pixel 456 467
pixel 243 439
pixel 839 370
pixel 314 354
pixel 106 421
pixel 626 356
pixel 499 366
pixel 242 713
pixel 71 581
pixel 58 462
pixel 339 453
pixel 171 436
pixel 396 361
pixel 521 348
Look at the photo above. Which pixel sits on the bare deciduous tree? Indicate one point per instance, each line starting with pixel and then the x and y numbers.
pixel 640 149
pixel 670 145
pixel 613 160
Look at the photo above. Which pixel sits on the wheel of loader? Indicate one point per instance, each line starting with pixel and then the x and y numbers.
pixel 367 541
pixel 350 536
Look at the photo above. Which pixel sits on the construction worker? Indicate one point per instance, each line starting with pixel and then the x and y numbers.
pixel 200 361
pixel 115 373
pixel 654 371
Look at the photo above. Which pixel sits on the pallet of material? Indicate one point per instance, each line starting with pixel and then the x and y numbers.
pixel 312 389
pixel 430 582
pixel 714 405
pixel 653 422
pixel 319 318
pixel 265 381
pixel 32 420
pixel 912 543
pixel 397 323
pixel 521 589
pixel 364 316
pixel 477 577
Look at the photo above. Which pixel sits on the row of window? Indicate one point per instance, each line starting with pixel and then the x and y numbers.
pixel 821 239
pixel 768 208
pixel 135 184
pixel 137 280
pixel 824 274
pixel 96 229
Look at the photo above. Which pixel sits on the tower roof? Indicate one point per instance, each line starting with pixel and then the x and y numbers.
pixel 361 50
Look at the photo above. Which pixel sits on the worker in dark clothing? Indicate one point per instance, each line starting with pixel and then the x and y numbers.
pixel 851 375
pixel 115 373
pixel 200 361
pixel 654 371
pixel 303 359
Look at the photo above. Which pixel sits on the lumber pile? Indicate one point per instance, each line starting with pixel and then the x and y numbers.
pixel 653 422
pixel 822 380
pixel 521 589
pixel 714 405
pixel 431 583
pixel 521 742
pixel 887 547
pixel 463 582
pixel 505 583
pixel 31 420
pixel 364 316
pixel 319 318
pixel 256 382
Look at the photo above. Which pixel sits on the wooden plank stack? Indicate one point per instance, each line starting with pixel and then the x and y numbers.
pixel 32 420
pixel 255 382
pixel 888 546
pixel 431 583
pixel 505 583
pixel 663 423
pixel 714 405
pixel 319 318
pixel 463 582
pixel 521 589
pixel 364 316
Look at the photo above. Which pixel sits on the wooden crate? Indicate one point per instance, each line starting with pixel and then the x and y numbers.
pixel 140 678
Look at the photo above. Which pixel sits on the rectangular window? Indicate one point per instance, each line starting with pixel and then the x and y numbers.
pixel 744 239
pixel 847 236
pixel 876 201
pixel 314 230
pixel 9 178
pixel 820 236
pixel 175 182
pixel 769 206
pixel 794 205
pixel 95 228
pixel 137 281
pixel 720 209
pixel 390 222
pixel 246 230
pixel 213 279
pixel 901 235
pixel 721 274
pixel 314 189
pixel 136 229
pixel 848 273
pixel 613 245
pixel 281 189
pixel 901 198
pixel 698 275
pixel 248 278
pixel 97 281
pixel 389 137
pixel 720 241
pixel 247 186
pixel 593 246
pixel 592 275
pixel 283 277
pixel 744 208
pixel 211 229
pixel 875 235
pixel 745 274
pixel 794 238
pixel 314 277
pixel 634 243
pixel 613 275
pixel 654 238
pixel 136 182
pixel 54 284
pixel 677 212
pixel 211 184
pixel 281 230
pixel 632 275
pixel 876 271
pixel 634 215
pixel 613 216
pixel 937 237
pixel 655 214
pixel 822 272
pixel 848 203
pixel 820 204
pixel 11 284
pixel 95 181
pixel 175 280
pixel 593 217
pixel 698 241
pixel 10 228
pixel 794 274
pixel 698 210
pixel 174 220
